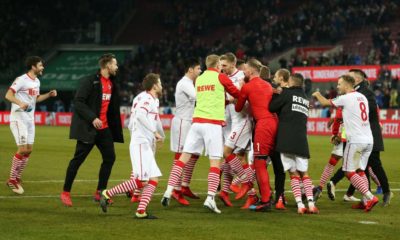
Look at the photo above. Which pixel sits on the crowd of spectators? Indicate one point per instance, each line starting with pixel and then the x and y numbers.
pixel 259 29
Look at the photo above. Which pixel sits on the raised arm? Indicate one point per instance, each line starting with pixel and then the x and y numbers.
pixel 324 102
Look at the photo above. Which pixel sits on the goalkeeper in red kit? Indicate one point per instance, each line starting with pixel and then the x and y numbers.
pixel 259 94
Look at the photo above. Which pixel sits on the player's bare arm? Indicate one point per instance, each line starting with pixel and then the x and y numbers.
pixel 10 96
pixel 324 102
pixel 43 97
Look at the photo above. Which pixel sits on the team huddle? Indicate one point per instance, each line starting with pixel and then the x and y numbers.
pixel 231 113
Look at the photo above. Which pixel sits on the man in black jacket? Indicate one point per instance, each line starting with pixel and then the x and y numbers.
pixel 292 106
pixel 374 160
pixel 96 121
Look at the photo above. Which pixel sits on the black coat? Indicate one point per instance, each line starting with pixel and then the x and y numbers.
pixel 87 105
pixel 292 107
pixel 373 115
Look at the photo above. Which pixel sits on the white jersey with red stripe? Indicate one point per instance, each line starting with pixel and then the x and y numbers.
pixel 26 90
pixel 355 117
pixel 237 117
pixel 139 133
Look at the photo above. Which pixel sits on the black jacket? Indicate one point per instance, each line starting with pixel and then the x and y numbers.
pixel 373 115
pixel 292 107
pixel 87 105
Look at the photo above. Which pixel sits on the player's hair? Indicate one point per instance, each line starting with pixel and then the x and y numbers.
pixel 105 58
pixel 32 61
pixel 230 57
pixel 191 63
pixel 212 61
pixel 149 81
pixel 255 64
pixel 359 73
pixel 284 73
pixel 240 62
pixel 265 73
pixel 349 79
pixel 298 79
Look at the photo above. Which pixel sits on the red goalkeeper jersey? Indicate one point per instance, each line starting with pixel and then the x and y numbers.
pixel 259 94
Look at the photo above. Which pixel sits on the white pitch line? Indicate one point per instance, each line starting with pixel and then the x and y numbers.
pixel 156 194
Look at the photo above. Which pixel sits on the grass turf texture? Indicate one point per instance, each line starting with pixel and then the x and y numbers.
pixel 39 214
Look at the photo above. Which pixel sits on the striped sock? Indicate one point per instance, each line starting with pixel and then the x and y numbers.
pixel 126 186
pixel 360 184
pixel 236 180
pixel 178 183
pixel 188 170
pixel 176 173
pixel 22 165
pixel 308 188
pixel 148 191
pixel 236 166
pixel 249 172
pixel 16 163
pixel 374 177
pixel 213 180
pixel 295 184
pixel 328 170
pixel 227 179
pixel 137 192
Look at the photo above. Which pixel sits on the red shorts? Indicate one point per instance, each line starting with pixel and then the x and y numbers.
pixel 264 136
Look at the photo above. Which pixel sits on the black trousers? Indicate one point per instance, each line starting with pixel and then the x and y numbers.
pixel 374 161
pixel 279 174
pixel 105 144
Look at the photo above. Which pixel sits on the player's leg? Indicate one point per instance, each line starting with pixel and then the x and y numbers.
pixel 280 176
pixel 153 173
pixel 356 159
pixel 105 144
pixel 187 177
pixel 375 179
pixel 214 148
pixel 20 132
pixel 227 177
pixel 302 169
pixel 81 151
pixel 375 162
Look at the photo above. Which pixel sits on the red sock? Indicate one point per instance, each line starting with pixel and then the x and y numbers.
pixel 227 178
pixel 176 173
pixel 179 182
pixel 188 170
pixel 262 179
pixel 213 180
pixel 148 191
pixel 126 186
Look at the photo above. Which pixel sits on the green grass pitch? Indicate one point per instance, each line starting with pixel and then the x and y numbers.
pixel 38 214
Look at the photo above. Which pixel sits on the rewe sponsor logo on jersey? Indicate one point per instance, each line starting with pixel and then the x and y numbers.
pixel 106 96
pixel 33 92
pixel 206 88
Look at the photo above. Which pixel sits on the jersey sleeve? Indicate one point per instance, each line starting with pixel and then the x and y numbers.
pixel 339 101
pixel 337 121
pixel 241 99
pixel 189 90
pixel 228 85
pixel 16 85
pixel 277 102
